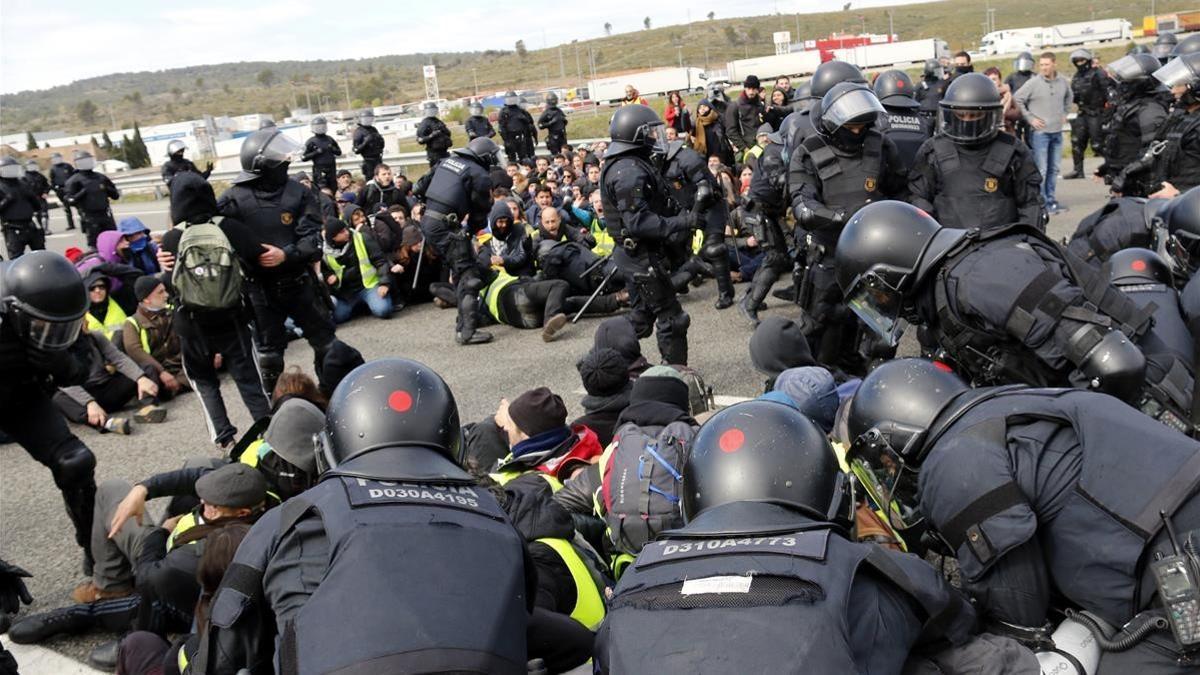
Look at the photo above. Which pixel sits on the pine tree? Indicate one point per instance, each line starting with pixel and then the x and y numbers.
pixel 123 151
pixel 140 156
pixel 30 142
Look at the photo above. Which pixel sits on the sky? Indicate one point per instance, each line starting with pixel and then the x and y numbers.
pixel 47 44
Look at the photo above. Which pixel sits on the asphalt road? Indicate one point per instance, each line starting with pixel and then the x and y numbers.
pixel 34 530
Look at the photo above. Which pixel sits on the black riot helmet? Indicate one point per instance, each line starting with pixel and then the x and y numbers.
pixel 57 158
pixel 636 128
pixel 318 125
pixel 1188 45
pixel 895 88
pixel 476 108
pixel 366 118
pixel 971 112
pixel 1182 71
pixel 1082 58
pixel 1138 49
pixel 1133 67
pixel 511 98
pixel 716 92
pixel 43 295
pixel 84 161
pixel 392 419
pixel 933 70
pixel 552 99
pixel 1136 266
pixel 266 123
pixel 894 407
pixel 1164 46
pixel 430 109
pixel 176 147
pixel 832 73
pixel 1023 63
pixel 266 151
pixel 886 250
pixel 848 104
pixel 763 451
pixel 803 91
pixel 10 167
pixel 1182 222
pixel 483 150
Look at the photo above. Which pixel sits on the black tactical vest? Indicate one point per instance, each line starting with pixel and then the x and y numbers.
pixel 908 131
pixel 624 180
pixel 1125 140
pixel 19 209
pixel 92 198
pixel 848 183
pixel 1179 163
pixel 271 216
pixel 448 191
pixel 973 194
pixel 768 185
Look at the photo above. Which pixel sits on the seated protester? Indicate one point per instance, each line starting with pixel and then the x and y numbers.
pixel 150 338
pixel 586 273
pixel 104 314
pixel 135 247
pixel 522 302
pixel 381 191
pixel 813 391
pixel 592 217
pixel 605 377
pixel 617 333
pixel 356 272
pixel 553 229
pixel 505 246
pixel 388 229
pixel 745 254
pixel 322 196
pixel 339 361
pixel 107 261
pixel 419 269
pixel 591 176
pixel 776 345
pixel 113 381
pixel 543 200
pixel 540 440
pixel 518 214
pixel 344 181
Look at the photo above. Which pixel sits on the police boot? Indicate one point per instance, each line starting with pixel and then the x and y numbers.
pixel 104 657
pixel 1076 174
pixel 759 288
pixel 467 335
pixel 701 270
pixel 681 278
pixel 724 284
pixel 39 627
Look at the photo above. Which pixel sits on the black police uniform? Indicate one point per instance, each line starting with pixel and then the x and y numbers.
pixel 985 185
pixel 929 95
pixel 1090 88
pixel 1178 162
pixel 435 136
pixel 685 172
pixel 554 121
pixel 908 129
pixel 1124 222
pixel 177 163
pixel 826 186
pixel 89 191
pixel 282 214
pixel 641 219
pixel 323 150
pixel 59 173
pixel 368 142
pixel 766 217
pixel 479 125
pixel 1135 123
pixel 18 206
pixel 459 188
pixel 815 602
pixel 1146 279
pixel 40 187
pixel 518 132
pixel 1025 485
pixel 1015 81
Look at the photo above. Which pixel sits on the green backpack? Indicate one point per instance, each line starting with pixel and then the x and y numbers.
pixel 207 273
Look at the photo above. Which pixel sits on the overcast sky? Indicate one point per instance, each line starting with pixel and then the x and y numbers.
pixel 43 44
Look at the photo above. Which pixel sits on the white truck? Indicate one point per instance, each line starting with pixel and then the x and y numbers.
pixel 1061 35
pixel 894 53
pixel 648 83
pixel 771 67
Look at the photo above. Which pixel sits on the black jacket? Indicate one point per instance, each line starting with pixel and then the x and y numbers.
pixel 174 165
pixel 433 134
pixel 515 120
pixel 59 173
pixel 368 142
pixel 742 120
pixel 321 150
pixel 478 125
pixel 530 505
pixel 553 121
pixel 17 201
pixel 89 191
pixel 601 414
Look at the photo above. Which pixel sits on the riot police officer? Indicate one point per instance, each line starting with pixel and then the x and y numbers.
pixel 765 556
pixel 1173 158
pixel 1048 491
pixel 766 214
pixel 89 191
pixel 831 175
pixel 60 171
pixel 517 129
pixel 1164 47
pixel 478 124
pixel 640 218
pixel 1022 71
pixel 176 163
pixel 1089 87
pixel 907 129
pixel 18 205
pixel 368 143
pixel 1136 120
pixel 434 135
pixel 933 86
pixel 40 187
pixel 801 124
pixel 429 575
pixel 1005 305
pixel 971 175
pixel 283 238
pixel 460 191
pixel 554 121
pixel 323 150
pixel 693 184
pixel 42 305
pixel 1124 222
pixel 1146 278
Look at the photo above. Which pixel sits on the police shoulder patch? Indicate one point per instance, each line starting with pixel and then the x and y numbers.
pixel 285 218
pixel 991 184
pixel 869 184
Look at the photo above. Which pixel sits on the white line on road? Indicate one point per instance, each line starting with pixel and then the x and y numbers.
pixel 35 660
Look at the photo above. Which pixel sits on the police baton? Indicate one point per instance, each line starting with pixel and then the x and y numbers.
pixel 417 271
pixel 603 282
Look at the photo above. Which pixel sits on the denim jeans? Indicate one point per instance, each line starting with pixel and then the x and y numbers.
pixel 1047 152
pixel 343 309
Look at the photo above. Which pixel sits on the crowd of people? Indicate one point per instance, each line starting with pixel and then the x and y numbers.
pixel 1044 441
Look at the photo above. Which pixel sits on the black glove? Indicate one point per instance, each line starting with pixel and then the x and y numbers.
pixel 12 590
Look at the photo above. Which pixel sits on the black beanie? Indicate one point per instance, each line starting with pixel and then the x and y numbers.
pixel 144 286
pixel 778 344
pixel 617 333
pixel 538 410
pixel 604 372
pixel 670 390
pixel 192 199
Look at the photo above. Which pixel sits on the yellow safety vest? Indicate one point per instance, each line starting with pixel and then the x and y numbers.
pixel 369 278
pixel 491 294
pixel 754 151
pixel 865 480
pixel 187 522
pixel 183 659
pixel 113 320
pixel 604 241
pixel 503 477
pixel 250 455
pixel 697 241
pixel 142 333
pixel 589 604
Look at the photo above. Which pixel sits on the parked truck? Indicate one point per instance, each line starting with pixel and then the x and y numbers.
pixel 648 83
pixel 1061 35
pixel 894 53
pixel 770 67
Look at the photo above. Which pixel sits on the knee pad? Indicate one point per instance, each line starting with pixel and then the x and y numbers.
pixel 680 322
pixel 713 251
pixel 471 283
pixel 74 464
pixel 270 362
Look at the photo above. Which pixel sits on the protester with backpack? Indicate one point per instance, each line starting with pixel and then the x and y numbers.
pixel 211 319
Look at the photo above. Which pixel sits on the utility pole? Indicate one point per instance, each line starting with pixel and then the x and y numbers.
pixel 679 51
pixel 562 65
pixel 475 76
pixel 578 65
pixel 891 26
pixel 706 58
pixel 346 85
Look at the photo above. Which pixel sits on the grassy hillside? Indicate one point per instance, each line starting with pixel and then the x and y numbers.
pixel 238 88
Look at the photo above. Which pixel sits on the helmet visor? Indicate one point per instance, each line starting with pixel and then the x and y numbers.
pixel 856 107
pixel 56 159
pixel 1175 73
pixel 879 309
pixel 476 110
pixel 85 163
pixel 1023 64
pixel 12 170
pixel 965 126
pixel 366 120
pixel 1162 50
pixel 281 148
pixel 175 146
pixel 45 334
pixel 654 136
pixel 319 127
pixel 1126 69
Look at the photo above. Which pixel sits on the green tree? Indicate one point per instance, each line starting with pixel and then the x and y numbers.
pixel 30 141
pixel 755 36
pixel 86 110
pixel 134 98
pixel 266 77
pixel 646 23
pixel 123 151
pixel 225 88
pixel 199 82
pixel 137 155
pixel 106 144
pixel 712 15
pixel 521 51
pixel 176 92
pixel 607 28
pixel 731 35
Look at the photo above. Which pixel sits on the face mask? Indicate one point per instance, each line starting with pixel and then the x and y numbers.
pixel 848 140
pixel 152 310
pixel 962 70
pixel 274 177
pixel 138 245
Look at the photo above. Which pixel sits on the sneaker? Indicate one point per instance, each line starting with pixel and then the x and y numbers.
pixel 441 304
pixel 553 327
pixel 151 414
pixel 87 593
pixel 118 425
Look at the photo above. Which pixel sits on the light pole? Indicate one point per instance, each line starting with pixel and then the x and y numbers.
pixel 475 76
pixel 679 52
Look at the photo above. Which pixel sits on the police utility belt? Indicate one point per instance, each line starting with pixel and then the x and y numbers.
pixel 443 216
